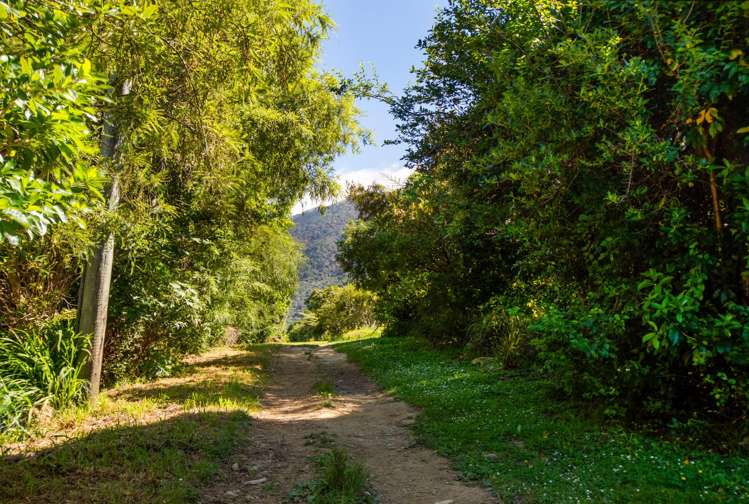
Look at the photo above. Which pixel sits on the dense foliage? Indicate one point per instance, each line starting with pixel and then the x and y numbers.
pixel 579 199
pixel 39 371
pixel 48 95
pixel 318 232
pixel 224 135
pixel 333 311
pixel 209 120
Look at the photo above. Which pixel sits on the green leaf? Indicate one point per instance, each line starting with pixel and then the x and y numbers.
pixel 26 66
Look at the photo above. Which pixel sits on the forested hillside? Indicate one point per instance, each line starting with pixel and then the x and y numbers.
pixel 318 233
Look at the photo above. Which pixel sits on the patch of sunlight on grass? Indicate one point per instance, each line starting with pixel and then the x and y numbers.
pixel 362 334
pixel 141 442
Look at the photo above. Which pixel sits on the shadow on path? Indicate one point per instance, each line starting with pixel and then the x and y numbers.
pixel 297 423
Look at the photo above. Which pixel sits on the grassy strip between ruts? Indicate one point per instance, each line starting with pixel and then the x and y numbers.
pixel 503 428
pixel 144 443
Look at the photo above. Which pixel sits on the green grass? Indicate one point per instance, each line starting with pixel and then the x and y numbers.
pixel 326 390
pixel 158 442
pixel 362 333
pixel 352 335
pixel 39 370
pixel 340 480
pixel 504 429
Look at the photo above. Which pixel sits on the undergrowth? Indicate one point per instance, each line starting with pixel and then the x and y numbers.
pixel 40 371
pixel 157 442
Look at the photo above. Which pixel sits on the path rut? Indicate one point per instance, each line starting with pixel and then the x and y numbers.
pixel 297 423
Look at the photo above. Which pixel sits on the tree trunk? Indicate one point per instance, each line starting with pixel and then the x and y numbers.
pixel 92 311
pixel 94 293
pixel 714 192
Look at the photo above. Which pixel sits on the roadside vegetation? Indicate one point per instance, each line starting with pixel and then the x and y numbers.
pixel 150 155
pixel 578 204
pixel 330 313
pixel 39 373
pixel 562 284
pixel 160 441
pixel 506 429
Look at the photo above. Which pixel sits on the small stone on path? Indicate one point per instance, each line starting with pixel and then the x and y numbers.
pixel 235 466
pixel 259 481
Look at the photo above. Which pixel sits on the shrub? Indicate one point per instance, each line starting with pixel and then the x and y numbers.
pixel 501 332
pixel 162 311
pixel 333 311
pixel 584 163
pixel 40 368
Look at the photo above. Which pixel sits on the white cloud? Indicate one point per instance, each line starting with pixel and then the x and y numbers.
pixel 391 177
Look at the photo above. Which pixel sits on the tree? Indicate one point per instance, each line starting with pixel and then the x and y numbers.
pixel 93 301
pixel 227 125
pixel 49 94
pixel 580 172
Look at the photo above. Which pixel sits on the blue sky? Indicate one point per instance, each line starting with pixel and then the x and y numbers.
pixel 382 34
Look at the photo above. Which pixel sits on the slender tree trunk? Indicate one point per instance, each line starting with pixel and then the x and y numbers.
pixel 714 193
pixel 94 304
pixel 716 203
pixel 93 297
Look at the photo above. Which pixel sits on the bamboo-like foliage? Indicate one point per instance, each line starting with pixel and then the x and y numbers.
pixel 226 125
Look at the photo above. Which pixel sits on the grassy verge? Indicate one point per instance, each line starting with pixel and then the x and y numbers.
pixel 353 335
pixel 504 429
pixel 362 333
pixel 147 443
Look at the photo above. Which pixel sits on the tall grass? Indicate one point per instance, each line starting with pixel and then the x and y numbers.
pixel 340 480
pixel 39 369
pixel 17 401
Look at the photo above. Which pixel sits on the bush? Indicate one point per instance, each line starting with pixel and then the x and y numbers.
pixel 502 333
pixel 162 311
pixel 39 369
pixel 580 171
pixel 333 311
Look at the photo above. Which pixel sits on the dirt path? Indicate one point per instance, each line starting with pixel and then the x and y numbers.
pixel 297 422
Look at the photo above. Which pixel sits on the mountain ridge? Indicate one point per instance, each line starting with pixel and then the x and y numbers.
pixel 318 233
